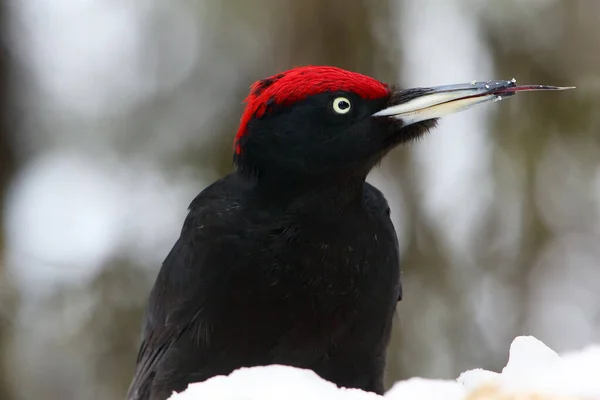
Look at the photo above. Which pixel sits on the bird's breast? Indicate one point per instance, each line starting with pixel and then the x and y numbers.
pixel 352 256
pixel 304 287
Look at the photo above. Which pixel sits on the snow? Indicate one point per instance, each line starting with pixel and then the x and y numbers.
pixel 272 382
pixel 535 368
pixel 533 371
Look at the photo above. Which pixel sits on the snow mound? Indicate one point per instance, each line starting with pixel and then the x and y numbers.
pixel 533 372
pixel 273 382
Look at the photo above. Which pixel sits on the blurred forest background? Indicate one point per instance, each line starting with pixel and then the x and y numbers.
pixel 115 114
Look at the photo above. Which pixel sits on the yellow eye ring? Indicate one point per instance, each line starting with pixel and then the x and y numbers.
pixel 342 105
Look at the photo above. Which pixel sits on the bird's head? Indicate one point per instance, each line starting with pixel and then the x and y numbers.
pixel 319 120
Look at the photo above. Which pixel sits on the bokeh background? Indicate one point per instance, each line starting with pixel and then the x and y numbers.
pixel 114 114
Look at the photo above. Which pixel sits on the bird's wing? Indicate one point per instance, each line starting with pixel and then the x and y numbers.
pixel 379 205
pixel 177 296
pixel 157 336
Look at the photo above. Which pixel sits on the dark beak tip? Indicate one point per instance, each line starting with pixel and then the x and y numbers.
pixel 533 88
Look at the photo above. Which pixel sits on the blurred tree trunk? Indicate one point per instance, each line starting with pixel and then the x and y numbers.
pixel 6 159
pixel 6 163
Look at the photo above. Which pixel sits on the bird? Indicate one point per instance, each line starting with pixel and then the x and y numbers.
pixel 292 258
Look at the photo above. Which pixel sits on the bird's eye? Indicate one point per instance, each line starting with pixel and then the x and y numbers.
pixel 341 105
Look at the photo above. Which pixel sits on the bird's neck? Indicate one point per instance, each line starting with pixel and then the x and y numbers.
pixel 338 190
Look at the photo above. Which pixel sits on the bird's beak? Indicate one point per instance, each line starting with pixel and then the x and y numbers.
pixel 414 105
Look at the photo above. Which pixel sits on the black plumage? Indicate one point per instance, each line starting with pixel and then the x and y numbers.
pixel 292 259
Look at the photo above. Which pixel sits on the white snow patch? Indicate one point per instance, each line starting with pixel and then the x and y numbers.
pixel 533 371
pixel 273 382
